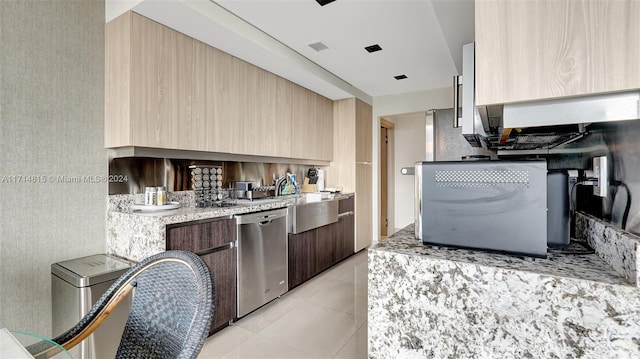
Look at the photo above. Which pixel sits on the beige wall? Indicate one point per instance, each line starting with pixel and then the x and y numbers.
pixel 388 106
pixel 51 124
pixel 410 133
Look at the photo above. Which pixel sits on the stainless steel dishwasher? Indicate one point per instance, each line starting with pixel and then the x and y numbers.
pixel 262 258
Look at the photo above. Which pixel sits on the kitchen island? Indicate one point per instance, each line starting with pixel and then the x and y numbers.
pixel 438 302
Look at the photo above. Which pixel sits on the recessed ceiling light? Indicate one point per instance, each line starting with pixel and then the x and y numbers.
pixel 400 77
pixel 318 46
pixel 373 48
pixel 324 2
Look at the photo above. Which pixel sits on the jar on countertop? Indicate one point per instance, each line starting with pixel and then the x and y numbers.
pixel 150 196
pixel 161 197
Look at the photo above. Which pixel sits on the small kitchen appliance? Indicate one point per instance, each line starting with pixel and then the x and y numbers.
pixel 320 183
pixel 491 205
pixel 558 218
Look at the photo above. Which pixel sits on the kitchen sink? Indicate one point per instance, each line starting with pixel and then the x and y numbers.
pixel 305 215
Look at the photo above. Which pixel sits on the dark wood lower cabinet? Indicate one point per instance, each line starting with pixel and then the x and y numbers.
pixel 326 246
pixel 211 240
pixel 346 228
pixel 301 257
pixel 347 235
pixel 223 267
pixel 313 251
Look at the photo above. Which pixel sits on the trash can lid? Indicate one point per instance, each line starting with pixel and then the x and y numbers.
pixel 90 270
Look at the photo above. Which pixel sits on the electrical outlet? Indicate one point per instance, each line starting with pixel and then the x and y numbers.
pixel 601 172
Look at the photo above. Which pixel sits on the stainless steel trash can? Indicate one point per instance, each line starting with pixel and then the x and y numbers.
pixel 75 286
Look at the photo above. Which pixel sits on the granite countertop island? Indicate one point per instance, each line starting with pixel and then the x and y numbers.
pixel 439 302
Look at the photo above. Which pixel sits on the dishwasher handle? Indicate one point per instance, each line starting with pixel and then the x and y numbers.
pixel 261 217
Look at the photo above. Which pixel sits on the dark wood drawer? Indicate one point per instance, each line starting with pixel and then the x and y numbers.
pixel 196 237
pixel 346 205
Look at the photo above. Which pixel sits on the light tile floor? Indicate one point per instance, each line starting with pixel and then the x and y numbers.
pixel 325 317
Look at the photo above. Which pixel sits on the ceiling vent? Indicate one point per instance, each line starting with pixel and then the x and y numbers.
pixel 318 46
pixel 324 2
pixel 373 48
pixel 400 77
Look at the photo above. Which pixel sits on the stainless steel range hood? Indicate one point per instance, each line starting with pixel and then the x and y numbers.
pixel 537 125
pixel 473 130
pixel 586 109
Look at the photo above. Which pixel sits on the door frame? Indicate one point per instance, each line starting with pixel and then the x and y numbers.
pixel 390 179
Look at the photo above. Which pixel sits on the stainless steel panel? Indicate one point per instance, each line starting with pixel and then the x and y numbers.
pixel 312 215
pixel 449 144
pixel 457 81
pixel 495 205
pixel 174 173
pixel 262 259
pixel 585 109
pixel 472 127
pixel 429 142
pixel 90 270
pixel 418 200
pixel 618 141
pixel 558 219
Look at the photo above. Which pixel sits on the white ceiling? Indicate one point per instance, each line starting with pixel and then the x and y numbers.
pixel 421 39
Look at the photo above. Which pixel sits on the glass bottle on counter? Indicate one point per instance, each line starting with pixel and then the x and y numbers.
pixel 150 196
pixel 161 197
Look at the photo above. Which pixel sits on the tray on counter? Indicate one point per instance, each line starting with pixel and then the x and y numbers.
pixel 155 208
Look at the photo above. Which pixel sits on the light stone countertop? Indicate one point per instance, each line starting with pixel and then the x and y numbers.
pixel 135 235
pixel 578 266
pixel 439 302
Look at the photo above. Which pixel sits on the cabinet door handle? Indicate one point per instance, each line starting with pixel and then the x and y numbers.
pixel 344 214
pixel 216 249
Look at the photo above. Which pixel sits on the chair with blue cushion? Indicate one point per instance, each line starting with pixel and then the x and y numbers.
pixel 170 314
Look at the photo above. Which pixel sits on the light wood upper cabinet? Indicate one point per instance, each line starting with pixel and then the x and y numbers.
pixel 235 102
pixel 157 81
pixel 200 110
pixel 117 131
pixel 312 124
pixel 259 124
pixel 530 50
pixel 281 144
pixel 166 90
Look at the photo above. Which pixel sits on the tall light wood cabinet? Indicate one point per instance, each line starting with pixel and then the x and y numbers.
pixel 530 50
pixel 149 76
pixel 364 114
pixel 352 168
